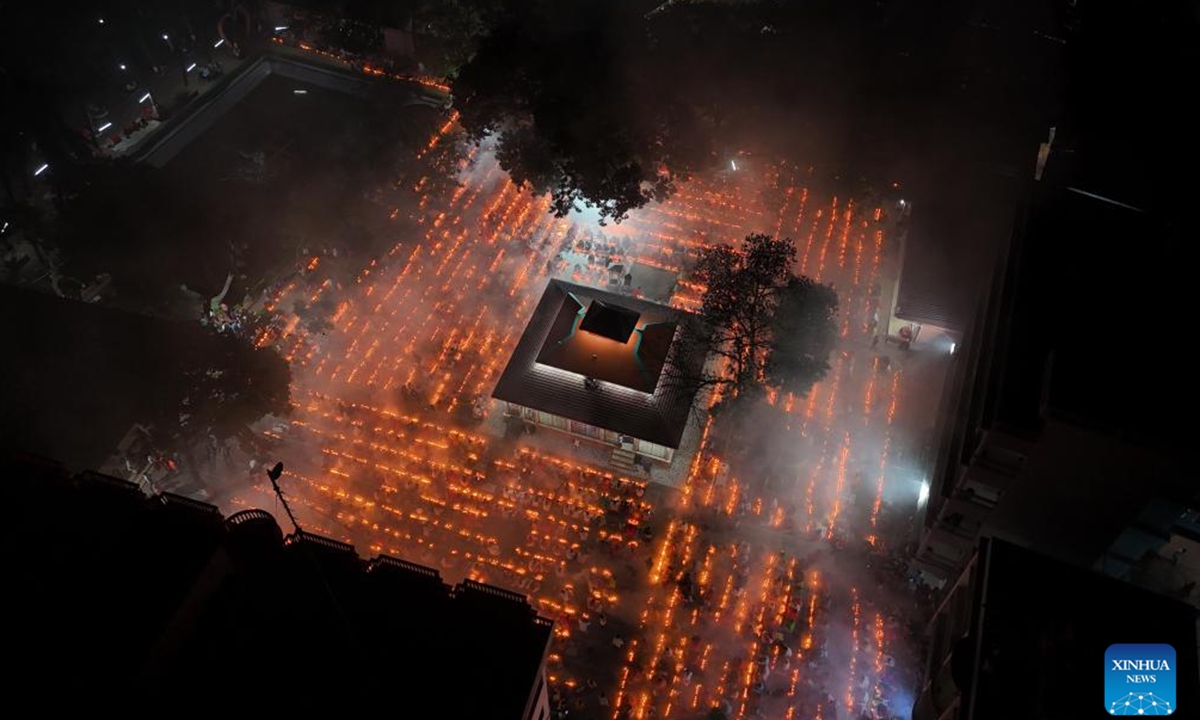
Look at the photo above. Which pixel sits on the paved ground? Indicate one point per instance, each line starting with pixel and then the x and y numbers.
pixel 779 602
pixel 170 90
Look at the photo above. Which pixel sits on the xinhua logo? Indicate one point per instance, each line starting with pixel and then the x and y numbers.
pixel 1139 680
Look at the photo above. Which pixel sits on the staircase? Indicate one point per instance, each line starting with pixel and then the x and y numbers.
pixel 623 460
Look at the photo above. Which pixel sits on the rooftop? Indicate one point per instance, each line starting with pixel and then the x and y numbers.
pixel 609 321
pixel 603 340
pixel 948 243
pixel 1042 628
pixel 1098 289
pixel 576 332
pixel 193 602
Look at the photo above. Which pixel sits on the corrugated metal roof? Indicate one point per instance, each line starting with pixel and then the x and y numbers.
pixel 926 310
pixel 660 417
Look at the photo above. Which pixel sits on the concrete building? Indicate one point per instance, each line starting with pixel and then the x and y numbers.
pixel 1020 635
pixel 597 365
pixel 921 316
pixel 138 604
pixel 1059 423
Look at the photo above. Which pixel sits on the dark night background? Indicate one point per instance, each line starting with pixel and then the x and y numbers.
pixel 194 193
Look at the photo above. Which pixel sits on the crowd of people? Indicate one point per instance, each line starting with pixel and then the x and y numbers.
pixel 750 616
pixel 589 257
pixel 570 537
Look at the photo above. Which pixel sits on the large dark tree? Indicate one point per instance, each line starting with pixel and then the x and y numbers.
pixel 573 94
pixel 803 335
pixel 612 102
pixel 772 328
pixel 235 384
pixel 448 31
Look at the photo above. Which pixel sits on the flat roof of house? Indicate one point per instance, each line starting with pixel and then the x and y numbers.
pixel 557 352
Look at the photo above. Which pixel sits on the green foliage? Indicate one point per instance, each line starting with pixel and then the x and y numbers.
pixel 774 329
pixel 742 285
pixel 803 335
pixel 571 92
pixel 234 384
pixel 449 31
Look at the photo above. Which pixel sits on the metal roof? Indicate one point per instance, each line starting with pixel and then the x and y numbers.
pixel 659 416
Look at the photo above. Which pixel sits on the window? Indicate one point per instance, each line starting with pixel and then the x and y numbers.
pixel 553 421
pixel 650 449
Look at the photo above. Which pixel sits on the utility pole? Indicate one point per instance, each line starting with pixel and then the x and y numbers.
pixel 274 474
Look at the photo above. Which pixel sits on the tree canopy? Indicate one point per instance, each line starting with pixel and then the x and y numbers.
pixel 235 385
pixel 449 31
pixel 772 328
pixel 571 93
pixel 612 103
pixel 803 335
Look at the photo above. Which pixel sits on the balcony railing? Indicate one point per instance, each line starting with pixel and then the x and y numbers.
pixel 383 561
pixel 246 516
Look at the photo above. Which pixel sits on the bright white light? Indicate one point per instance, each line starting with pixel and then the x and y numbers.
pixel 101 21
pixel 733 165
pixel 281 28
pixel 923 496
pixel 219 43
pixel 104 127
pixel 953 347
pixel 2 229
pixel 191 67
pixel 901 202
pixel 145 98
pixel 299 92
pixel 41 170
pixel 122 66
pixel 165 37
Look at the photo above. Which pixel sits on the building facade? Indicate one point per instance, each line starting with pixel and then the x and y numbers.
pixel 1019 634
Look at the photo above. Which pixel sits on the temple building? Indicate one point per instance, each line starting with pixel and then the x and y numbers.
pixel 603 367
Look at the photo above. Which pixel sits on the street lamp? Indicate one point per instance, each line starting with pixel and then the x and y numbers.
pixel 42 169
pixel 101 20
pixel 122 66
